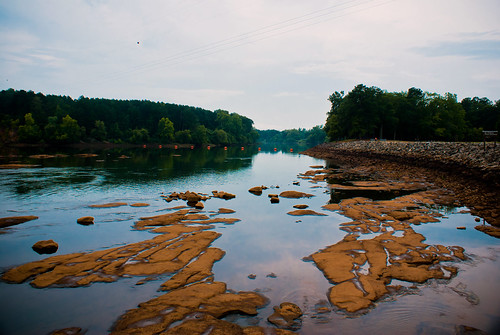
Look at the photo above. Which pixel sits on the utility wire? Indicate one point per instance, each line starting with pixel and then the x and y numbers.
pixel 266 32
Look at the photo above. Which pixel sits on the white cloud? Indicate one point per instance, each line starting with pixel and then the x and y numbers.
pixel 273 61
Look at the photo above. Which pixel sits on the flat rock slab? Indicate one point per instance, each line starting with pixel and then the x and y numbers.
pixel 490 230
pixel 301 212
pixel 140 204
pixel 166 253
pixel 17 166
pixel 300 206
pixel 388 256
pixel 208 301
pixel 15 220
pixel 226 211
pixel 295 194
pixel 109 205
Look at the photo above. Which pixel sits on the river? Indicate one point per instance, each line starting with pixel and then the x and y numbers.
pixel 266 242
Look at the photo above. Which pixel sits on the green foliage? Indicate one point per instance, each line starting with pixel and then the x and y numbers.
pixel 139 136
pixel 219 136
pixel 51 130
pixel 301 136
pixel 200 135
pixel 30 131
pixel 115 121
pixel 369 112
pixel 99 132
pixel 166 130
pixel 69 130
pixel 183 136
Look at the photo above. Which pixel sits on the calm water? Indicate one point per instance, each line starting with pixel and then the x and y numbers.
pixel 265 241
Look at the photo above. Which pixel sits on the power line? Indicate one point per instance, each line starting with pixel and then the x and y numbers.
pixel 266 32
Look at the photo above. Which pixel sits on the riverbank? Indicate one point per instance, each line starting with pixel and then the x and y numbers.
pixel 471 172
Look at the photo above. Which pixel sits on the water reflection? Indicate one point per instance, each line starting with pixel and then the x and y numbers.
pixel 265 241
pixel 75 169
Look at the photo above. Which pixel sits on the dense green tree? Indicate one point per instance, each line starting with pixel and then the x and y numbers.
pixel 118 117
pixel 315 136
pixel 99 131
pixel 448 118
pixel 51 130
pixel 69 130
pixel 369 112
pixel 139 136
pixel 480 114
pixel 183 136
pixel 220 137
pixel 292 137
pixel 200 135
pixel 29 132
pixel 115 133
pixel 166 130
pixel 357 115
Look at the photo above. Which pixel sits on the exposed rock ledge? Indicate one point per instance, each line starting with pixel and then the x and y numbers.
pixel 472 173
pixel 470 159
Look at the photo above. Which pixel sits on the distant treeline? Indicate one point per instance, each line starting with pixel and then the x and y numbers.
pixel 301 136
pixel 26 117
pixel 369 112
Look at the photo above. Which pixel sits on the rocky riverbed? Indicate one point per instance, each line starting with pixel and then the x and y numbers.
pixel 468 170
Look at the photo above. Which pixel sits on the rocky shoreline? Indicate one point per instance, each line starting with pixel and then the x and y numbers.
pixel 471 172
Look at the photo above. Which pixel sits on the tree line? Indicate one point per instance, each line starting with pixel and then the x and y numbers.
pixel 300 137
pixel 370 112
pixel 28 117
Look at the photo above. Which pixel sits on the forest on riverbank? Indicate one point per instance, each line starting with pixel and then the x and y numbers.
pixel 301 136
pixel 28 117
pixel 370 112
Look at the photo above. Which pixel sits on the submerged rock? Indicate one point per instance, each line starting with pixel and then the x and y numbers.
pixel 15 220
pixel 86 155
pixel 300 212
pixel 45 247
pixel 225 211
pixel 139 204
pixel 109 205
pixel 17 166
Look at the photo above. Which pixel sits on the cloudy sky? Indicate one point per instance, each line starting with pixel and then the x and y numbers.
pixel 274 61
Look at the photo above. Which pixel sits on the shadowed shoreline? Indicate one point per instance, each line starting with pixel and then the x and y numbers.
pixel 467 169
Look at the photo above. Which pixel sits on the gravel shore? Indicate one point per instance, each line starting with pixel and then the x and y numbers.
pixel 471 172
pixel 471 159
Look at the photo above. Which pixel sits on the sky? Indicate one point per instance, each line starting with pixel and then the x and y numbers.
pixel 273 61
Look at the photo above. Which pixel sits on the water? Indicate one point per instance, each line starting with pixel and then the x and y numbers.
pixel 265 241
